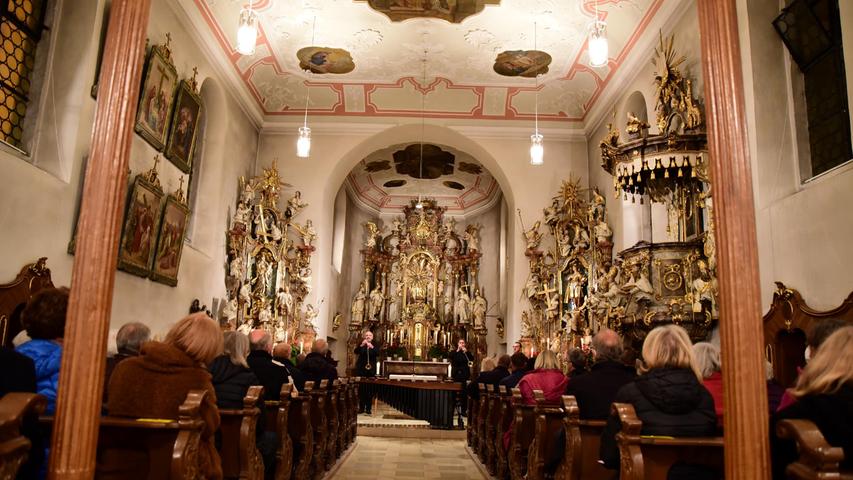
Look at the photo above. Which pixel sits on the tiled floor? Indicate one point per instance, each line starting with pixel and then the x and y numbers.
pixel 408 458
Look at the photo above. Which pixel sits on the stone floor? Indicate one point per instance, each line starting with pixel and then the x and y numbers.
pixel 408 458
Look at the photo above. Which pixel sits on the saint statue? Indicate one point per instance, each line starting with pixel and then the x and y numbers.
pixel 262 279
pixel 376 302
pixel 462 301
pixel 373 235
pixel 552 213
pixel 641 288
pixel 275 232
pixel 265 316
pixel 229 311
pixel 533 236
pixel 247 326
pixel 236 268
pixel 634 126
pixel 310 314
pixel 479 310
pixel 241 217
pixel 247 195
pixel 307 231
pixel 602 232
pixel 704 287
pixel 285 301
pixel 532 286
pixel 279 331
pixel 305 278
pixel 245 293
pixel 295 205
pixel 575 282
pixel 596 206
pixel 358 308
pixel 472 237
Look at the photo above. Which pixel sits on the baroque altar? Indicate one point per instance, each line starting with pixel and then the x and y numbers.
pixel 269 258
pixel 420 292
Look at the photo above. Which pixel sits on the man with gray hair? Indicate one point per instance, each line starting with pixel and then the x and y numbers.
pixel 315 367
pixel 271 374
pixel 129 340
pixel 596 390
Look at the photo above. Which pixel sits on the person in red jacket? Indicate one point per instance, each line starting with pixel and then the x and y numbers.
pixel 547 377
pixel 708 360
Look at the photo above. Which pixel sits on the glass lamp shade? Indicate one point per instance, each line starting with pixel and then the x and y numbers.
pixel 303 143
pixel 247 32
pixel 598 48
pixel 537 151
pixel 420 204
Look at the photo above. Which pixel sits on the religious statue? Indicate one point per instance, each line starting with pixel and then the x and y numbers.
pixel 307 231
pixel 533 237
pixel 576 281
pixel 295 205
pixel 265 315
pixel 472 237
pixel 247 326
pixel 285 301
pixel 260 225
pixel 247 194
pixel 245 293
pixel 376 302
pixel 241 217
pixel 634 127
pixel 479 310
pixel 603 233
pixel 373 236
pixel 461 310
pixel 640 289
pixel 229 311
pixel 532 286
pixel 236 268
pixel 358 307
pixel 704 286
pixel 262 279
pixel 310 314
pixel 280 330
pixel 305 279
pixel 526 324
pixel 275 232
pixel 552 303
pixel 596 207
pixel 448 308
pixel 552 213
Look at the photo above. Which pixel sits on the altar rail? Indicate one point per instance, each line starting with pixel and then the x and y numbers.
pixel 429 401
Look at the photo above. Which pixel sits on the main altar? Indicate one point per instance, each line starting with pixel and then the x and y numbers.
pixel 420 291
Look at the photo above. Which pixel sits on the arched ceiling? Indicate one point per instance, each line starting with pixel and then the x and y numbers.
pixel 462 43
pixel 389 179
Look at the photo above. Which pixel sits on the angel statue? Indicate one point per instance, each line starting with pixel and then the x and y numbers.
pixel 310 314
pixel 307 231
pixel 247 194
pixel 285 301
pixel 462 301
pixel 241 217
pixel 373 235
pixel 479 310
pixel 358 308
pixel 376 302
pixel 279 331
pixel 295 205
pixel 472 237
pixel 635 126
pixel 596 206
pixel 247 326
pixel 533 236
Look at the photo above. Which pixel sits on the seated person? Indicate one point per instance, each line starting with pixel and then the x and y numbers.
pixel 824 395
pixel 281 356
pixel 19 375
pixel 517 365
pixel 577 363
pixel 155 383
pixel 271 374
pixel 708 359
pixel 486 366
pixel 668 396
pixel 315 367
pixel 283 353
pixel 44 319
pixel 547 377
pixel 596 390
pixel 497 374
pixel 129 340
pixel 816 336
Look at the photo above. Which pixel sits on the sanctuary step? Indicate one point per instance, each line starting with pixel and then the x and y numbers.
pixel 387 421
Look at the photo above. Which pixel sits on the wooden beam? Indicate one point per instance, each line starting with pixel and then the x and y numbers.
pixel 745 420
pixel 75 436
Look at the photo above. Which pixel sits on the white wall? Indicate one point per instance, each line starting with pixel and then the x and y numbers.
pixel 39 203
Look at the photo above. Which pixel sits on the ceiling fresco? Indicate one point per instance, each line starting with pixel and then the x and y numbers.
pixel 455 179
pixel 384 74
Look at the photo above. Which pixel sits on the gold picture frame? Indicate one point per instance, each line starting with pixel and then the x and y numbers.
pixel 170 241
pixel 141 218
pixel 184 127
pixel 157 96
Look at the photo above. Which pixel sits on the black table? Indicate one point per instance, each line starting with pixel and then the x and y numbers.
pixel 433 402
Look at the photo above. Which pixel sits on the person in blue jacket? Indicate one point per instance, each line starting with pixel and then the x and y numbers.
pixel 44 320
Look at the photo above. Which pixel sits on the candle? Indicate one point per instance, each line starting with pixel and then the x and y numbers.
pixel 301 347
pixel 285 336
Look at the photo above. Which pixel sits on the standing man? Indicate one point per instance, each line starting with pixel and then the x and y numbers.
pixel 460 361
pixel 516 348
pixel 365 367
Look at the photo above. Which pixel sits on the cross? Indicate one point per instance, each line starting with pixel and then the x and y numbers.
pixel 181 184
pixel 156 162
pixel 168 39
pixel 193 81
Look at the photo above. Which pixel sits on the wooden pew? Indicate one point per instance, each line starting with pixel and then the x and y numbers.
pixel 343 418
pixel 14 446
pixel 583 440
pixel 482 414
pixel 523 429
pixel 354 408
pixel 471 426
pixel 332 394
pixel 505 417
pixel 318 424
pixel 494 402
pixel 549 421
pixel 818 459
pixel 650 458
pixel 238 427
pixel 301 435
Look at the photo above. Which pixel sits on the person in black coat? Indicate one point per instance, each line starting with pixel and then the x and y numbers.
pixel 492 377
pixel 460 363
pixel 668 397
pixel 281 356
pixel 595 391
pixel 824 395
pixel 365 366
pixel 19 375
pixel 271 374
pixel 315 367
pixel 518 367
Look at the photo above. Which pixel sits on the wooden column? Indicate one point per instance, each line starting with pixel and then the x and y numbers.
pixel 75 435
pixel 745 423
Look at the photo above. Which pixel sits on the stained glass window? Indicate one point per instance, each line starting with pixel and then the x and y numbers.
pixel 21 25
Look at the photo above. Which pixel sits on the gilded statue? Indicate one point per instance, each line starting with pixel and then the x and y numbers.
pixel 373 235
pixel 295 205
pixel 247 326
pixel 533 236
pixel 261 281
pixel 358 307
pixel 310 315
pixel 472 237
pixel 634 127
pixel 265 316
pixel 307 232
pixel 596 206
pixel 576 281
pixel 241 217
pixel 609 145
pixel 237 269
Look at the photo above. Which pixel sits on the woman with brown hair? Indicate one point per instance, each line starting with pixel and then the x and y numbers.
pixel 668 396
pixel 824 395
pixel 156 383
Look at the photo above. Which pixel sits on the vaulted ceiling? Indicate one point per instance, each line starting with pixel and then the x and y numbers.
pixel 381 45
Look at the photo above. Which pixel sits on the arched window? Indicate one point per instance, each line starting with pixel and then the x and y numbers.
pixel 195 174
pixel 21 29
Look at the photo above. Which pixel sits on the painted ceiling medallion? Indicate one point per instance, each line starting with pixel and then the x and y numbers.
pixel 325 60
pixel 522 63
pixel 454 11
pixel 436 161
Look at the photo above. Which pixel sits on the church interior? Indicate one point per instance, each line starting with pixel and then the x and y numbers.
pixel 553 239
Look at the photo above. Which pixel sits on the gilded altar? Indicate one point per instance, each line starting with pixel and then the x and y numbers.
pixel 420 290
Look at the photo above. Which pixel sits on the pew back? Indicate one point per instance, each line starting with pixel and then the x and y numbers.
pixel 818 459
pixel 14 446
pixel 238 428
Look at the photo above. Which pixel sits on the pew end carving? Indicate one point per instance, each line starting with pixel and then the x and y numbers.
pixel 818 459
pixel 239 452
pixel 14 446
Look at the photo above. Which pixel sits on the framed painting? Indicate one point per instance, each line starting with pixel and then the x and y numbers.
pixel 170 242
pixel 156 97
pixel 136 249
pixel 184 127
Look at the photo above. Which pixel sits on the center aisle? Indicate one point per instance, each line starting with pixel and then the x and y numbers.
pixel 408 458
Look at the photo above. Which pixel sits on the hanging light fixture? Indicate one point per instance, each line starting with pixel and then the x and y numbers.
pixel 247 32
pixel 598 48
pixel 303 142
pixel 420 204
pixel 537 150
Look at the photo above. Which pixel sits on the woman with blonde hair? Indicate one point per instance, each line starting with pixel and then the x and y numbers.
pixel 232 376
pixel 824 394
pixel 668 396
pixel 156 383
pixel 546 376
